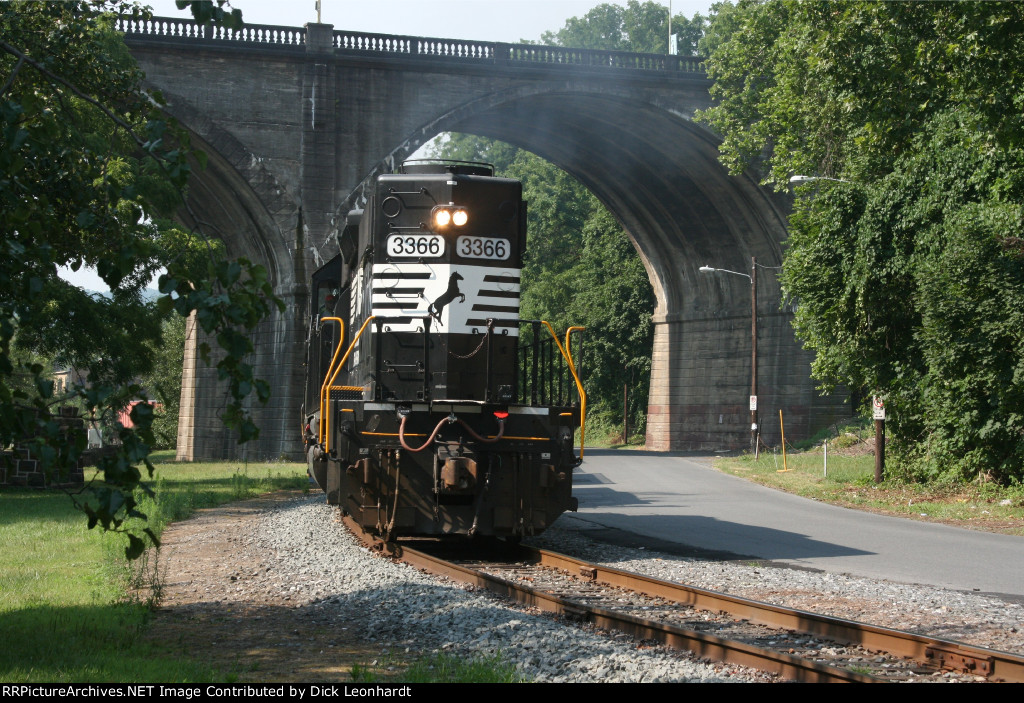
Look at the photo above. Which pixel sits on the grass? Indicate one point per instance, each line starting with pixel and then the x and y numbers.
pixel 849 481
pixel 182 488
pixel 614 441
pixel 65 612
pixel 603 433
pixel 446 668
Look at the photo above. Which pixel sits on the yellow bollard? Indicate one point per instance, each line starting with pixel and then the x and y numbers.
pixel 782 429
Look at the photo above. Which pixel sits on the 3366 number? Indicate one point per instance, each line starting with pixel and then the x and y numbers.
pixel 415 245
pixel 483 248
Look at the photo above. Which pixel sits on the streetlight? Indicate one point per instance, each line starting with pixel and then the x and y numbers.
pixel 797 180
pixel 752 276
pixel 670 50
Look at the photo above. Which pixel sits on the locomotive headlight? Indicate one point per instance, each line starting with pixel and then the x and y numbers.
pixel 443 216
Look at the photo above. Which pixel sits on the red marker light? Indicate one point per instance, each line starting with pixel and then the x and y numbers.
pixel 500 414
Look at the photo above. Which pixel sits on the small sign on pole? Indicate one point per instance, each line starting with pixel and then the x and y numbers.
pixel 879 408
pixel 753 402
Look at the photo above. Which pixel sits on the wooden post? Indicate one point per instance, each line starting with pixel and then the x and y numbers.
pixel 625 413
pixel 878 411
pixel 879 450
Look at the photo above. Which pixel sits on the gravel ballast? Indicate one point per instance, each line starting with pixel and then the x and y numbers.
pixel 309 560
pixel 404 609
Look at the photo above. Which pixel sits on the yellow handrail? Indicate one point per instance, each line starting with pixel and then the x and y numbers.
pixel 572 369
pixel 583 396
pixel 325 438
pixel 567 333
pixel 323 388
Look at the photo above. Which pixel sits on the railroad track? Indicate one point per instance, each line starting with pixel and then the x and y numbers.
pixel 794 644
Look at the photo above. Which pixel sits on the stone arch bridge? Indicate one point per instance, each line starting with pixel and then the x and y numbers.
pixel 297 121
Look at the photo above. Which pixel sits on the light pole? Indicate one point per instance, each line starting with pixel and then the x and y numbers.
pixel 752 276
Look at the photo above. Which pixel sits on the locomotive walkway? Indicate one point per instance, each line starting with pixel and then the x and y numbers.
pixel 683 501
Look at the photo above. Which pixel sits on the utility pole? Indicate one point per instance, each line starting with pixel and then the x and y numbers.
pixel 753 354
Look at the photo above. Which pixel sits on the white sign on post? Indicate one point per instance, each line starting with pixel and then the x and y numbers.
pixel 879 408
pixel 753 402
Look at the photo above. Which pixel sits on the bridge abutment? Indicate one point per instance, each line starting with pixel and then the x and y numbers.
pixel 700 384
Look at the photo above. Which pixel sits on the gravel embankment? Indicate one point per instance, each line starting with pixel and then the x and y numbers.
pixel 312 560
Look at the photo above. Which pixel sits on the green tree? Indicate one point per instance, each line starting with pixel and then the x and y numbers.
pixel 88 164
pixel 640 27
pixel 905 261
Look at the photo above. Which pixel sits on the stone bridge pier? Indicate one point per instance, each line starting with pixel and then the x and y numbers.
pixel 297 122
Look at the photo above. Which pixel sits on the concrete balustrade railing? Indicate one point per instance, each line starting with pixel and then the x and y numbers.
pixel 173 28
pixel 397 46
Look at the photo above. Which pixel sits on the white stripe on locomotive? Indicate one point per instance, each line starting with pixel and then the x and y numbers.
pixel 416 290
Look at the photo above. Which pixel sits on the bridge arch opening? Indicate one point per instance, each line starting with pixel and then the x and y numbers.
pixel 658 173
pixel 581 268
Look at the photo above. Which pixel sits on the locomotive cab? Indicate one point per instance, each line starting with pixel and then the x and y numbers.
pixel 432 408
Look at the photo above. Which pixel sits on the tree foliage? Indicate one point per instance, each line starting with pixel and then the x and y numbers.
pixel 88 167
pixel 640 27
pixel 906 261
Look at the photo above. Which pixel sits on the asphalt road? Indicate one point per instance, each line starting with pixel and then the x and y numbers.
pixel 682 504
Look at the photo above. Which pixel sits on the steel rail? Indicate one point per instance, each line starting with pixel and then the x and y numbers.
pixel 701 644
pixel 943 654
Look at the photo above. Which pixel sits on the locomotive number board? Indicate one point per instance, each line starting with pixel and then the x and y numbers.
pixel 419 245
pixel 483 248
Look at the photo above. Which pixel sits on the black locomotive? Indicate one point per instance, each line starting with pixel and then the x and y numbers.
pixel 431 408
